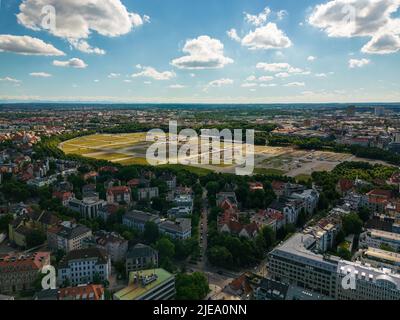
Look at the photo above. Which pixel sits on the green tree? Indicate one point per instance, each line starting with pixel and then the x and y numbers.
pixel 166 248
pixel 220 256
pixel 191 286
pixel 302 218
pixel 352 224
pixel 364 213
pixel 151 232
pixel 35 238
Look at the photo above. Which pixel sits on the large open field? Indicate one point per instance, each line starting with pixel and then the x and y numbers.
pixel 131 148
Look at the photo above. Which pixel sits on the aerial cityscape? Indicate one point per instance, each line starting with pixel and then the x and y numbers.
pixel 199 151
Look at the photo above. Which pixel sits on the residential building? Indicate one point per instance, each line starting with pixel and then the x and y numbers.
pixel 181 228
pixel 152 284
pixel 141 257
pixel 115 245
pixel 309 198
pixel 84 266
pixel 91 292
pixel 67 236
pixel 378 239
pixel 119 194
pixel 64 196
pixel 20 228
pixel 89 207
pixel 19 272
pixel 378 199
pixel 226 197
pixel 137 219
pixel 147 193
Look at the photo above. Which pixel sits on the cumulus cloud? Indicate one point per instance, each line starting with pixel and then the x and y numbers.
pixel 258 19
pixel 72 63
pixel 232 33
pixel 355 63
pixel 295 84
pixel 9 79
pixel 113 75
pixel 265 78
pixel 311 58
pixel 150 72
pixel 177 86
pixel 202 53
pixel 361 18
pixel 278 67
pixel 40 74
pixel 26 45
pixel 220 82
pixel 76 20
pixel 282 75
pixel 266 37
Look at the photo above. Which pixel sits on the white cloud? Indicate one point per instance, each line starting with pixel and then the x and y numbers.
pixel 73 63
pixel 220 82
pixel 40 74
pixel 84 46
pixel 233 35
pixel 265 78
pixel 361 18
pixel 251 78
pixel 281 14
pixel 26 45
pixel 127 80
pixel 9 79
pixel 113 75
pixel 266 37
pixel 177 86
pixel 265 85
pixel 321 75
pixel 203 53
pixel 76 20
pixel 355 63
pixel 249 85
pixel 311 58
pixel 278 67
pixel 384 43
pixel 150 72
pixel 259 19
pixel 295 84
pixel 282 75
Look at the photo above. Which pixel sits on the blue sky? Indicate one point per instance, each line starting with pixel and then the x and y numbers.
pixel 240 51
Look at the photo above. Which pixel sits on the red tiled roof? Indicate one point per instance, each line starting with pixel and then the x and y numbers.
pixel 118 189
pixel 18 263
pixel 380 193
pixel 345 185
pixel 89 292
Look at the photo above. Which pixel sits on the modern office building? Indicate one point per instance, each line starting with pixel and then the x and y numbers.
pixel 152 284
pixel 296 263
pixel 293 262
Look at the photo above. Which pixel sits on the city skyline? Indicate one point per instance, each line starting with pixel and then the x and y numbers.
pixel 200 52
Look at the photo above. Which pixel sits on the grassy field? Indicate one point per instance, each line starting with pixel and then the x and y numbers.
pixel 130 149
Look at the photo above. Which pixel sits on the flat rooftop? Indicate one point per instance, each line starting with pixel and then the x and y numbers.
pixel 383 255
pixel 135 290
pixel 299 246
pixel 384 234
